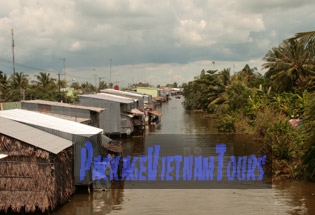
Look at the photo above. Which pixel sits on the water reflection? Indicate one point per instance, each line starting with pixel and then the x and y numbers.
pixel 95 203
pixel 191 128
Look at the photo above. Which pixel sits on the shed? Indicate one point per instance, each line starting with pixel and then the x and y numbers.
pixel 36 173
pixel 112 121
pixel 78 113
pixel 139 97
pixel 147 97
pixel 77 133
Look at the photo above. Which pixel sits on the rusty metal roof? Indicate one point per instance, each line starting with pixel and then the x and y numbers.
pixel 33 136
pixel 137 112
pixel 111 145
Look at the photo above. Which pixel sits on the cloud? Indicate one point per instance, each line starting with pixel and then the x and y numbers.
pixel 152 34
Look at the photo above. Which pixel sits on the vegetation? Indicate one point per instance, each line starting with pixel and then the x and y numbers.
pixel 263 105
pixel 19 87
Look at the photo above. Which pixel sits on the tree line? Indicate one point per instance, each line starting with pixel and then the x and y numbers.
pixel 19 86
pixel 263 105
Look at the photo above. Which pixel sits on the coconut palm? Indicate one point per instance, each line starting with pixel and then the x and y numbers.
pixel 3 86
pixel 18 83
pixel 44 79
pixel 308 38
pixel 289 65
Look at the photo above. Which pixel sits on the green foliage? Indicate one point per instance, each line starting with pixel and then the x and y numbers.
pixel 309 136
pixel 206 90
pixel 238 95
pixel 290 66
pixel 226 123
pixel 283 140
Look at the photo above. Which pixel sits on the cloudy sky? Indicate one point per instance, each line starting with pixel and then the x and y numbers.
pixel 160 42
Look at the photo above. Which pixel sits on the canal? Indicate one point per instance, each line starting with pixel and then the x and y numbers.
pixel 178 125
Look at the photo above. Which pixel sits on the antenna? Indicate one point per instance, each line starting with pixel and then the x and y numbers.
pixel 13 61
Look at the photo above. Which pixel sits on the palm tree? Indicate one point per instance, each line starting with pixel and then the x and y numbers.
pixel 3 86
pixel 76 85
pixel 308 38
pixel 18 83
pixel 289 65
pixel 87 87
pixel 44 79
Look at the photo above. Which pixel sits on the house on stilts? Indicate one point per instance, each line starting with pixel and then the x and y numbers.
pixel 35 169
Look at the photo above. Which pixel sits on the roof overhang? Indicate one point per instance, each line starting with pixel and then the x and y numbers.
pixel 155 113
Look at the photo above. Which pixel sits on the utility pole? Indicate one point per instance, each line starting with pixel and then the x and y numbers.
pixel 95 78
pixel 110 71
pixel 64 67
pixel 59 87
pixel 13 60
pixel 59 95
pixel 64 70
pixel 99 84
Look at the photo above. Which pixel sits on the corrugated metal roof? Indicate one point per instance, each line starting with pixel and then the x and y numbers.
pixel 103 96
pixel 118 96
pixel 95 109
pixel 51 122
pixel 119 92
pixel 33 136
pixel 71 118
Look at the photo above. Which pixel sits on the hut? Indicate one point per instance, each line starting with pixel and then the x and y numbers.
pixel 78 113
pixel 35 169
pixel 77 133
pixel 138 97
pixel 115 120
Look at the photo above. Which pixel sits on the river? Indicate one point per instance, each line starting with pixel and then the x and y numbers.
pixel 283 198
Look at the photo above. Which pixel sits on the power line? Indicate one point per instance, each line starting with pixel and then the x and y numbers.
pixel 6 61
pixel 29 67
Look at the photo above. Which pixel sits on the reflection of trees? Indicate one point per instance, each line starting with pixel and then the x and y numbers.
pixel 105 202
pixel 296 197
pixel 96 203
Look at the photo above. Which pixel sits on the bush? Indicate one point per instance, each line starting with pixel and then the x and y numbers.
pixel 282 144
pixel 226 123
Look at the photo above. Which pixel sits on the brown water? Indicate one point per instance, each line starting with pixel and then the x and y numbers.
pixel 284 198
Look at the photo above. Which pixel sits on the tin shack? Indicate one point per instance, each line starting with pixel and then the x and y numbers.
pixel 77 133
pixel 78 113
pixel 116 120
pixel 35 169
pixel 138 97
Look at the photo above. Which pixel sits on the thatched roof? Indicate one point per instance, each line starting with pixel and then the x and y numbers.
pixel 33 179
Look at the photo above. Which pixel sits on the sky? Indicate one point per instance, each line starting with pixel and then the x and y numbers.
pixel 131 41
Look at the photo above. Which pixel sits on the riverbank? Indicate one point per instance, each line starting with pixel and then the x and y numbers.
pixel 284 198
pixel 272 131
